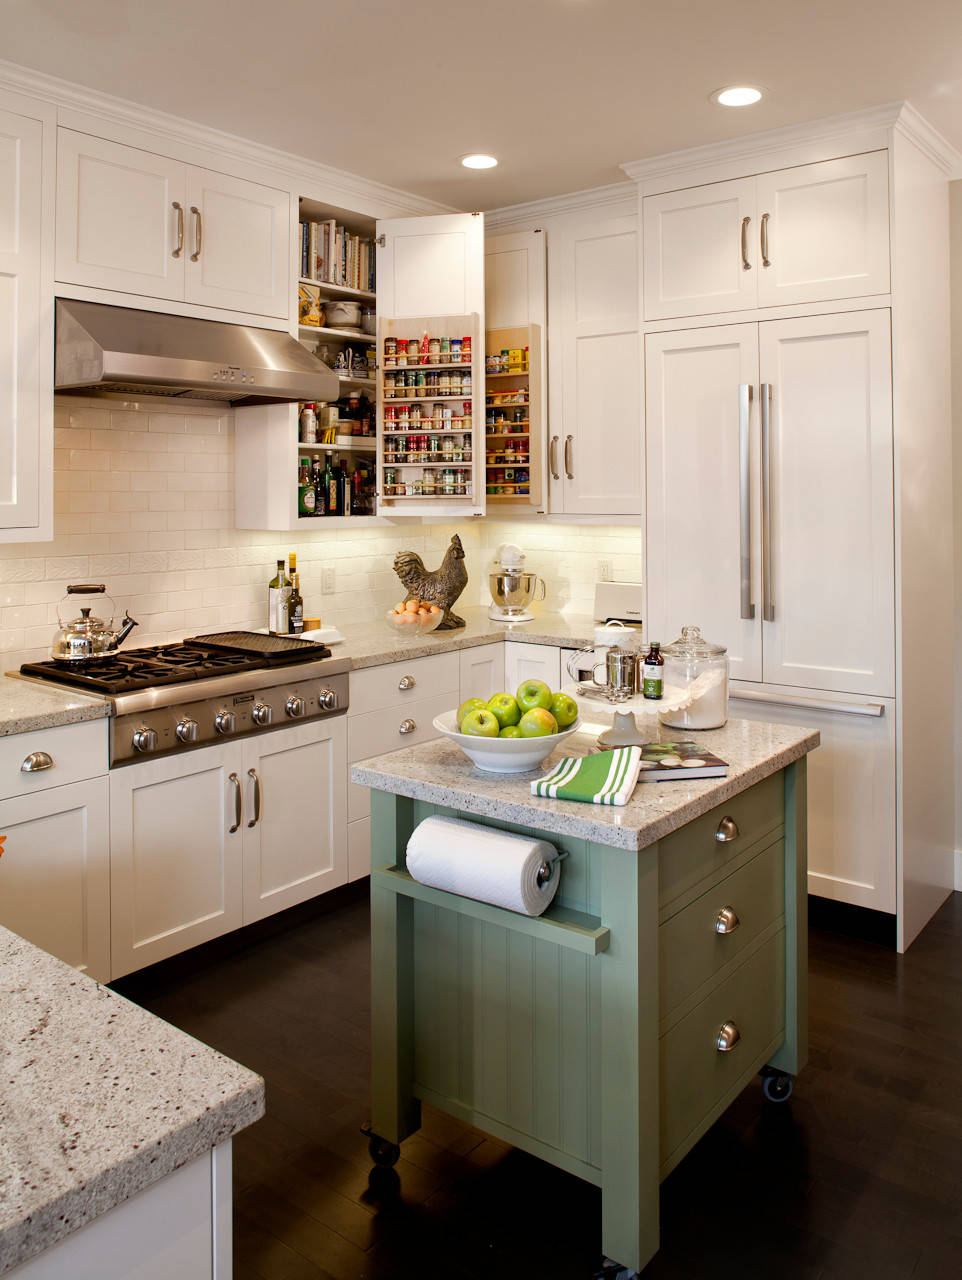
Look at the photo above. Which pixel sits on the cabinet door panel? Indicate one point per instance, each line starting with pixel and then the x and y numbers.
pixel 828 230
pixel 116 224
pixel 54 873
pixel 26 399
pixel 693 250
pixel 832 520
pixel 482 671
pixel 243 241
pixel 175 867
pixel 531 662
pixel 695 487
pixel 298 846
pixel 431 266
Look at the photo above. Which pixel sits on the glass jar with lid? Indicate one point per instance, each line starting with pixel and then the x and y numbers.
pixel 699 668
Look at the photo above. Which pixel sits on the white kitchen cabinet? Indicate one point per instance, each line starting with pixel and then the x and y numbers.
pixel 134 222
pixel 531 662
pixel 809 233
pixel 26 326
pixel 481 672
pixel 54 873
pixel 176 840
pixel 801 589
pixel 594 422
pixel 295 825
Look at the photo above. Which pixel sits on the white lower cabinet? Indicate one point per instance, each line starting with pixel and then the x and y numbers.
pixel 531 662
pixel 358 848
pixel 54 878
pixel 481 672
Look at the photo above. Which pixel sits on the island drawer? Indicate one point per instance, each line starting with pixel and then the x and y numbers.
pixel 66 753
pixel 389 730
pixel 698 941
pixel 698 851
pixel 398 683
pixel 696 1078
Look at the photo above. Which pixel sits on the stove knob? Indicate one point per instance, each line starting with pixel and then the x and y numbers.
pixel 295 707
pixel 327 699
pixel 224 722
pixel 187 730
pixel 145 739
pixel 262 713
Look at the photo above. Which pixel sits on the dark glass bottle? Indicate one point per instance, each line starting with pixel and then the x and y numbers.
pixel 330 485
pixel 295 606
pixel 653 672
pixel 320 491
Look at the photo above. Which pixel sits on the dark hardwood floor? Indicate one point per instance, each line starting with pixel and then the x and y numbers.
pixel 859 1175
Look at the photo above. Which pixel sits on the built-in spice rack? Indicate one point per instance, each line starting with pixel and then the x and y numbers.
pixel 512 417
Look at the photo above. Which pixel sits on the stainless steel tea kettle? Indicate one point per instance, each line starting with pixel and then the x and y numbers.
pixel 88 639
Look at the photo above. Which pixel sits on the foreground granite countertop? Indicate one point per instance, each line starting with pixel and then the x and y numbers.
pixel 372 644
pixel 26 705
pixel 439 772
pixel 98 1099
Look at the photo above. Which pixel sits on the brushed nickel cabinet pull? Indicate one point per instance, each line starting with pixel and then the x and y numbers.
pixel 553 458
pixel 406 726
pixel 252 773
pixel 727 1037
pixel 180 229
pixel 746 265
pixel 726 921
pixel 406 682
pixel 569 465
pixel 727 830
pixel 198 233
pixel 37 761
pixel 766 261
pixel 235 781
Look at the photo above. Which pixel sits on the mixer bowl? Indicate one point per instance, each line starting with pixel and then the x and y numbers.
pixel 513 592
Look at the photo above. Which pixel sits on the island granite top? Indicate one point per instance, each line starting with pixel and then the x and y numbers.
pixel 440 773
pixel 98 1099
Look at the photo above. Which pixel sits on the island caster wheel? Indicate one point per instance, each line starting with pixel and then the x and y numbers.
pixel 381 1151
pixel 777 1087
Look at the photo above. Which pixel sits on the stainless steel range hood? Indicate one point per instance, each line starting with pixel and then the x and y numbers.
pixel 119 349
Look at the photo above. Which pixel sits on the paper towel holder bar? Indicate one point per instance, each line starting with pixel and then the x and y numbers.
pixel 546 870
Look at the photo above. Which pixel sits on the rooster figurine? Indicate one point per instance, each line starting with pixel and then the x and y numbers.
pixel 437 586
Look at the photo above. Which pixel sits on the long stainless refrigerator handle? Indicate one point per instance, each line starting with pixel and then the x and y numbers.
pixel 746 604
pixel 235 782
pixel 768 598
pixel 810 704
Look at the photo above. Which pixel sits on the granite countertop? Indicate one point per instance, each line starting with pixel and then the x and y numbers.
pixel 98 1099
pixel 439 772
pixel 26 705
pixel 372 644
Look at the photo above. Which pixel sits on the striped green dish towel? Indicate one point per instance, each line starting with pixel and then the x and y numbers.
pixel 608 777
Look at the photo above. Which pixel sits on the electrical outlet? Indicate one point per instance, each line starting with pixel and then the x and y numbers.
pixel 604 570
pixel 328 583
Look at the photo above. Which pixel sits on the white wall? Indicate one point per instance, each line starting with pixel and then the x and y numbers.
pixel 955 223
pixel 144 503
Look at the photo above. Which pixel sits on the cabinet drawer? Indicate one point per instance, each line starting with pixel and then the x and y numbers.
pixel 691 950
pixel 376 688
pixel 693 853
pixel 77 751
pixel 380 731
pixel 695 1077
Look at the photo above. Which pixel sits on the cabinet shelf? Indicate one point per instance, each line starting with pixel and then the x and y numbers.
pixel 389 400
pixel 340 290
pixel 426 428
pixel 433 466
pixel 356 382
pixel 350 444
pixel 426 497
pixel 321 331
pixel 515 373
pixel 418 367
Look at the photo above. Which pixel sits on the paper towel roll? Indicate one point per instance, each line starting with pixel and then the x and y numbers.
pixel 479 862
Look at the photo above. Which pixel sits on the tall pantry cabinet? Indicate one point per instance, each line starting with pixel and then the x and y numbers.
pixel 798 458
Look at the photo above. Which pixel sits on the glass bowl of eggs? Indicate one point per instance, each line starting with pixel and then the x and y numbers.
pixel 413 617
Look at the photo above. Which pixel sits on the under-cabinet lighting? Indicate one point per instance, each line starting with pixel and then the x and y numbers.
pixel 478 161
pixel 739 95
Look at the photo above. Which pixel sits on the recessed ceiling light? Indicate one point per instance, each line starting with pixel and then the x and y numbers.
pixel 478 161
pixel 739 95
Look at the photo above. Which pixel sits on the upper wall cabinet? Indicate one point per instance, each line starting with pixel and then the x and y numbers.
pixel 812 233
pixel 134 222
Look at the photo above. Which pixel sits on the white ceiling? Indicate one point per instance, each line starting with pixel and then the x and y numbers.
pixel 560 90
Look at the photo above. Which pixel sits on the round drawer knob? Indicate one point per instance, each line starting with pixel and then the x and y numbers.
pixel 728 1036
pixel 406 682
pixel 726 921
pixel 406 726
pixel 727 831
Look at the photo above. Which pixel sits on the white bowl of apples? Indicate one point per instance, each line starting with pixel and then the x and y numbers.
pixel 511 734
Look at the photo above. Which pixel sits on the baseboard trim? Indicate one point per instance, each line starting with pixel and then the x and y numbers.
pixel 856 922
pixel 958 868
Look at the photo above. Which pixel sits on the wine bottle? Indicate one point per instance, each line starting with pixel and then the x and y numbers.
pixel 330 488
pixel 295 605
pixel 278 596
pixel 306 498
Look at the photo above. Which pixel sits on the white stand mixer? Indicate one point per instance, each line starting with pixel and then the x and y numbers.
pixel 512 590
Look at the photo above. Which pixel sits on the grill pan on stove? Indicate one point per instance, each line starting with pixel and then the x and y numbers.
pixel 276 650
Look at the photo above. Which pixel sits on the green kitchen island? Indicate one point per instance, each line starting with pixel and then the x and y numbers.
pixel 608 1034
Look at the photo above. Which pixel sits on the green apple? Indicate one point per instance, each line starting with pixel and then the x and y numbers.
pixel 537 723
pixel 481 723
pixel 510 731
pixel 533 693
pixel 471 704
pixel 505 708
pixel 564 709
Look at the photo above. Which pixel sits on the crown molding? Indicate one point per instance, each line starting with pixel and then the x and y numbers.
pixel 343 187
pixel 754 146
pixel 554 206
pixel 912 125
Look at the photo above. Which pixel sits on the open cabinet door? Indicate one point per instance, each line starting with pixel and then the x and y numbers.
pixel 430 280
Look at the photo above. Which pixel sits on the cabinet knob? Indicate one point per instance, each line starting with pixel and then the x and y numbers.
pixel 37 761
pixel 727 831
pixel 728 1036
pixel 406 682
pixel 726 921
pixel 406 726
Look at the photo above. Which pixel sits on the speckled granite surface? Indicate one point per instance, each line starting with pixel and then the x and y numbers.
pixel 98 1099
pixel 440 773
pixel 372 644
pixel 26 705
